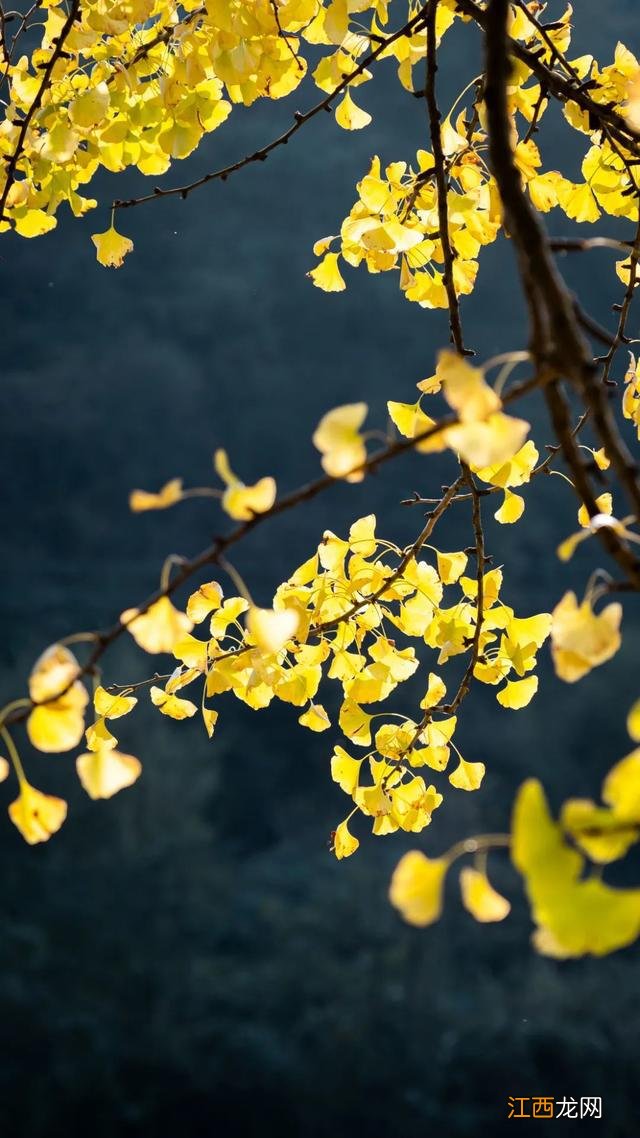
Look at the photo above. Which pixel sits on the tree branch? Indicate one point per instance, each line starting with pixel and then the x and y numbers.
pixel 218 547
pixel 441 178
pixel 58 49
pixel 300 119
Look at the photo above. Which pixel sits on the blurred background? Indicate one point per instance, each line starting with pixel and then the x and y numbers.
pixel 189 957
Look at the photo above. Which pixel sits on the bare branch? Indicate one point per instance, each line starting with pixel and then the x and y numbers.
pixel 441 178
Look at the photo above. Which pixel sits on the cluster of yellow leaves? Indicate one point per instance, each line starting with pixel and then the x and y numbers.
pixel 394 224
pixel 140 83
pixel 575 913
pixel 582 639
pixel 56 724
pixel 488 440
pixel 578 914
pixel 417 888
pixel 335 618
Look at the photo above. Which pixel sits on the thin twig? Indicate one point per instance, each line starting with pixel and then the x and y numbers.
pixel 478 532
pixel 283 36
pixel 441 178
pixel 218 547
pixel 300 119
pixel 625 307
pixel 58 49
pixel 407 556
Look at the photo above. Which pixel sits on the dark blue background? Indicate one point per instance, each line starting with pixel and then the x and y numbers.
pixel 189 958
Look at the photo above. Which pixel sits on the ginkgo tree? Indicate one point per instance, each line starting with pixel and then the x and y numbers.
pixel 138 83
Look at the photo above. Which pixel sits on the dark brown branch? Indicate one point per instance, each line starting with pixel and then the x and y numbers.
pixel 441 178
pixel 625 307
pixel 465 682
pixel 563 89
pixel 558 346
pixel 585 244
pixel 561 420
pixel 165 35
pixel 58 49
pixel 557 343
pixel 283 36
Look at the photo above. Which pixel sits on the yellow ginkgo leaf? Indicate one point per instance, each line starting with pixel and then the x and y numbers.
pixel 409 418
pixel 192 652
pixel 355 723
pixel 480 898
pixel 604 502
pixel 575 916
pixel 210 718
pixel 112 706
pixel 37 815
pixel 34 222
pixel 567 548
pixel 206 599
pixel 436 691
pixel 349 116
pixel 99 737
pixel 518 693
pixel 515 472
pixel 345 770
pixel 53 673
pixel 344 843
pixel 486 443
pixel 338 439
pixel 465 389
pixel 180 678
pixel 316 718
pixel 538 850
pixel 633 722
pixel 621 788
pixel 327 275
pixel 227 614
pixel 105 771
pixel 4 769
pixel 171 492
pixel 172 705
pixel 362 537
pixel 239 501
pixel 577 200
pixel 511 509
pixel 159 628
pixel 602 835
pixel 321 246
pixel 270 629
pixel 430 386
pixel 467 776
pixel 58 725
pixel 582 639
pixel 111 247
pixel 451 566
pixel 90 107
pixel 417 886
